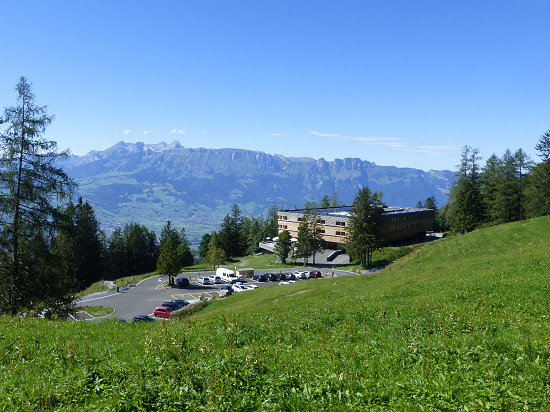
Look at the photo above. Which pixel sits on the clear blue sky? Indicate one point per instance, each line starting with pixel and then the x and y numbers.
pixel 404 83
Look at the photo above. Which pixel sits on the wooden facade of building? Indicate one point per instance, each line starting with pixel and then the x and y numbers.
pixel 398 223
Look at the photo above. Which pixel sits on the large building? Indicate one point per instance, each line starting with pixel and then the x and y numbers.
pixel 398 223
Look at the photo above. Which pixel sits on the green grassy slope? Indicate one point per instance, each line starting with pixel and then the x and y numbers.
pixel 457 324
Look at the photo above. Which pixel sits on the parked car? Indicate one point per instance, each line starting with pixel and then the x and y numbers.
pixel 300 274
pixel 261 277
pixel 182 282
pixel 238 287
pixel 315 274
pixel 252 286
pixel 215 279
pixel 180 302
pixel 143 318
pixel 228 289
pixel 171 305
pixel 162 312
pixel 272 277
pixel 205 280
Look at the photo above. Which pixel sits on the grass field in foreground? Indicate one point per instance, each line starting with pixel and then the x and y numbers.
pixel 458 324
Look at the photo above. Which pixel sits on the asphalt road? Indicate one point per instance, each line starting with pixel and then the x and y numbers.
pixel 150 293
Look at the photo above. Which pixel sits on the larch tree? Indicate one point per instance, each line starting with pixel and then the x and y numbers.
pixel 31 187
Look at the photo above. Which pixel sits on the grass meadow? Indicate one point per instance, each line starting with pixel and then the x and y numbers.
pixel 458 324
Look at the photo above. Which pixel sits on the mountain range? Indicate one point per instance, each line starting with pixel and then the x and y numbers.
pixel 195 188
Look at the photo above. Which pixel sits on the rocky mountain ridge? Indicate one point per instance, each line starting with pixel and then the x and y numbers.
pixel 196 187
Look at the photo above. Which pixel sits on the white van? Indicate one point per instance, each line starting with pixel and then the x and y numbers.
pixel 228 275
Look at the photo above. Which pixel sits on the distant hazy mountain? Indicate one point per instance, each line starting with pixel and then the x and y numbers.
pixel 153 183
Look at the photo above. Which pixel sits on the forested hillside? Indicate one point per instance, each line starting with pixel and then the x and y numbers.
pixel 196 188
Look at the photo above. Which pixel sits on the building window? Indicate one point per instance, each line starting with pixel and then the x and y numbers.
pixel 340 233
pixel 299 219
pixel 282 217
pixel 322 222
pixel 321 230
pixel 340 223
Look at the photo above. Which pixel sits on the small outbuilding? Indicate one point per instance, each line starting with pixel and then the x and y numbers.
pixel 245 272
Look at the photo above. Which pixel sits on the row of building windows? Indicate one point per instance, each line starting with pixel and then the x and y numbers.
pixel 406 226
pixel 321 221
pixel 403 218
pixel 322 231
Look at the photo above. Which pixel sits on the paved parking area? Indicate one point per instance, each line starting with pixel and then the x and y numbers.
pixel 150 293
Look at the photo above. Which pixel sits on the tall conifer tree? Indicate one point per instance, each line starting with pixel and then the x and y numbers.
pixel 31 185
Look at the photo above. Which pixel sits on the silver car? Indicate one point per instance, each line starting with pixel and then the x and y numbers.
pixel 205 280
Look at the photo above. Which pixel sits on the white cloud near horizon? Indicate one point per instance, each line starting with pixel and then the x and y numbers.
pixel 177 131
pixel 145 132
pixel 396 143
pixel 363 140
pixel 127 131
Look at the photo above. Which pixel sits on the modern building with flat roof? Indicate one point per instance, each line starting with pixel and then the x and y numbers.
pixel 398 223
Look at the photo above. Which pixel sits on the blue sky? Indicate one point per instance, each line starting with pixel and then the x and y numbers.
pixel 403 83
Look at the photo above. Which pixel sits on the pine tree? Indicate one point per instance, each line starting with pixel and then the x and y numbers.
pixel 167 263
pixel 271 222
pixel 137 242
pixel 31 186
pixel 365 223
pixel 537 190
pixel 524 165
pixel 325 202
pixel 88 247
pixel 303 247
pixel 203 246
pixel 283 245
pixel 185 255
pixel 466 211
pixel 489 186
pixel 310 240
pixel 117 256
pixel 231 235
pixel 216 255
pixel 315 235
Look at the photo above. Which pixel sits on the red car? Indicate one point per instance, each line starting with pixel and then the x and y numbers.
pixel 162 312
pixel 315 274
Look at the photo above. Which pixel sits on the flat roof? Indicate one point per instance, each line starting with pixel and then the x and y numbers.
pixel 345 211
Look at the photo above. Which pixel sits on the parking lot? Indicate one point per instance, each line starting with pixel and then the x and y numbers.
pixel 150 293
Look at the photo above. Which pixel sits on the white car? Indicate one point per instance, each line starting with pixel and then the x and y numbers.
pixel 301 274
pixel 252 286
pixel 215 279
pixel 205 280
pixel 240 288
